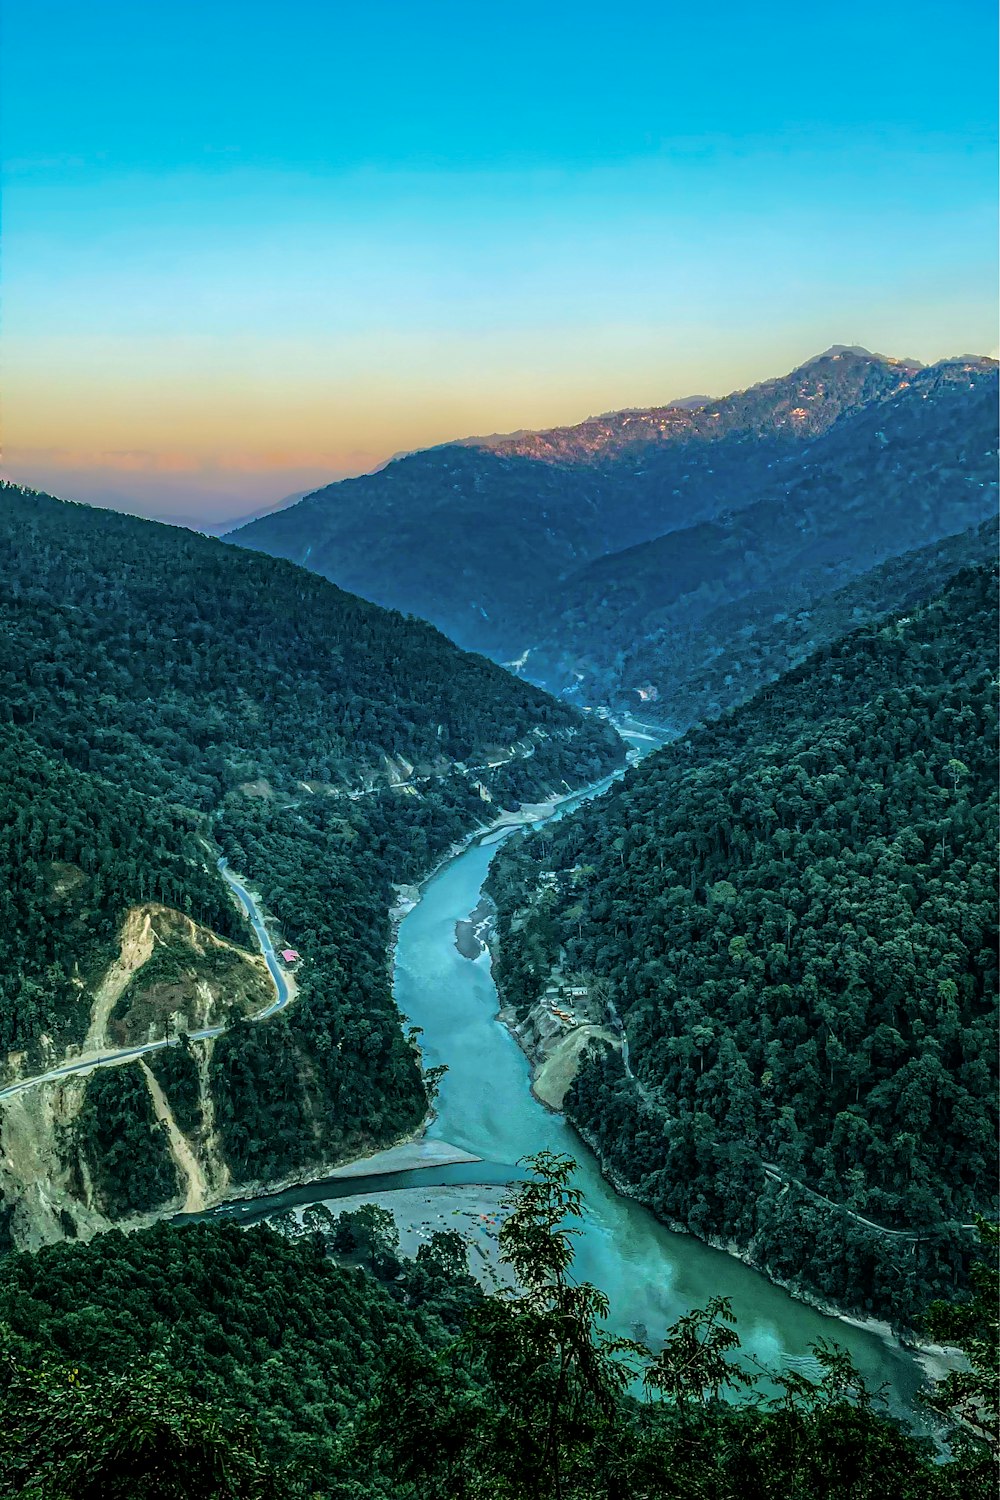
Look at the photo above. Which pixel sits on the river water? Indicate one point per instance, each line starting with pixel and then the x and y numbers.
pixel 485 1106
pixel 651 1275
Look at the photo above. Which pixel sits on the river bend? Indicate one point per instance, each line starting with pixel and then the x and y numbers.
pixel 485 1106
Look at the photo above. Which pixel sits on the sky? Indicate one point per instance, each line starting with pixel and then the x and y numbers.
pixel 251 247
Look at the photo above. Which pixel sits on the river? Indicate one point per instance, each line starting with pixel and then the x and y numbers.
pixel 486 1107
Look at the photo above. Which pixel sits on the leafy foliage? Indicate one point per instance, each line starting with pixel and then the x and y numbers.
pixel 236 1362
pixel 136 1436
pixel 971 1397
pixel 176 1070
pixel 254 1322
pixel 123 1143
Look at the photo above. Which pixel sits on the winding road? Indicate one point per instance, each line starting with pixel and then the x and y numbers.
pixel 282 995
pixel 277 973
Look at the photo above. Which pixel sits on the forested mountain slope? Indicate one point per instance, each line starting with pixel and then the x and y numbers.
pixel 76 851
pixel 670 620
pixel 151 652
pixel 475 536
pixel 792 911
pixel 163 698
pixel 598 556
pixel 722 658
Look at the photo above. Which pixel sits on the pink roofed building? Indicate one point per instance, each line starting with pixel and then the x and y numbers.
pixel 289 955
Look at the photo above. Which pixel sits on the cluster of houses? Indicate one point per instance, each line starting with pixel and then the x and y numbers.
pixel 564 993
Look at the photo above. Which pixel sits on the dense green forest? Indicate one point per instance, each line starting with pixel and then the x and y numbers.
pixel 161 695
pixel 793 912
pixel 153 655
pixel 123 1144
pixel 213 1361
pixel 75 851
pixel 176 1070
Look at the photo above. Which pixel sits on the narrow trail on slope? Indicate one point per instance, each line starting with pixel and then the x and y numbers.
pixel 180 1147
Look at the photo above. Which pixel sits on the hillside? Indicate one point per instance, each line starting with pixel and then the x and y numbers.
pixel 149 652
pixel 792 913
pixel 76 852
pixel 709 665
pixel 425 533
pixel 621 536
pixel 656 622
pixel 165 699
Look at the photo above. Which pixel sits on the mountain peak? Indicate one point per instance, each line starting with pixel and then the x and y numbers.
pixel 837 351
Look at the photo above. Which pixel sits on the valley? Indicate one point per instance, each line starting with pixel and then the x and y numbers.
pixel 255 718
pixel 317 911
pixel 650 1273
pixel 677 559
pixel 780 1091
pixel 499 743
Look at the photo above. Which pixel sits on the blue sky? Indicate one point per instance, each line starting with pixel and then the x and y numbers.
pixel 250 247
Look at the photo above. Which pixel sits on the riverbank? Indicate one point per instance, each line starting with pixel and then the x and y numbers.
pixel 558 1028
pixel 485 1107
pixel 554 1055
pixel 553 1052
pixel 408 896
pixel 413 1152
pixel 474 1210
pixel 936 1360
pixel 409 1156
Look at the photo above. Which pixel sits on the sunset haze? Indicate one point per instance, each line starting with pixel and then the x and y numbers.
pixel 242 261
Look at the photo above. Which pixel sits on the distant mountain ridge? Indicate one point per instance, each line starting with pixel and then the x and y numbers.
pixel 492 540
pixel 901 475
pixel 762 409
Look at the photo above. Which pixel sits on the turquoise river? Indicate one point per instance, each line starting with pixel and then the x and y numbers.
pixel 485 1106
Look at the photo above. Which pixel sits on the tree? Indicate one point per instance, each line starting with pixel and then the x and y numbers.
pixel 542 1344
pixel 446 1250
pixel 971 1398
pixel 692 1365
pixel 138 1436
pixel 370 1230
